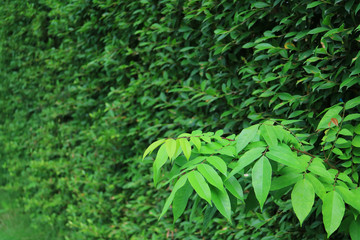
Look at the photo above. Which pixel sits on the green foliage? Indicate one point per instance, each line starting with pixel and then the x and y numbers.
pixel 275 152
pixel 87 85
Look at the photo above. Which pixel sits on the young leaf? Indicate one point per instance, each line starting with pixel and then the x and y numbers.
pixel 170 147
pixel 222 202
pixel 181 199
pixel 333 210
pixel 302 199
pixel 160 160
pixel 211 176
pixel 178 185
pixel 199 184
pixel 196 141
pixel 218 163
pixel 261 179
pixel 269 134
pixel 186 147
pixel 246 159
pixel 330 113
pixel 246 136
pixel 355 229
pixel 152 147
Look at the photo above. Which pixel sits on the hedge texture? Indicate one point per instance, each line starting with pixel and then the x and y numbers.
pixel 87 85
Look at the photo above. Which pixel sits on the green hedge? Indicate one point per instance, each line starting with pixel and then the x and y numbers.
pixel 87 85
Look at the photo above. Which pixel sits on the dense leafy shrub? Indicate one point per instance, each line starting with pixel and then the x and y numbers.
pixel 87 85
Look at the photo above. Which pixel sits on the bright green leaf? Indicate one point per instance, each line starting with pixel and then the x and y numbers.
pixel 268 132
pixel 285 181
pixel 211 176
pixel 233 185
pixel 246 159
pixel 318 30
pixel 302 199
pixel 180 200
pixel 261 179
pixel 352 103
pixel 218 163
pixel 356 141
pixel 186 147
pixel 177 186
pixel 196 141
pixel 152 147
pixel 221 201
pixel 314 4
pixel 170 147
pixel 318 186
pixel 246 136
pixel 333 210
pixel 283 154
pixel 330 113
pixel 199 184
pixel 160 160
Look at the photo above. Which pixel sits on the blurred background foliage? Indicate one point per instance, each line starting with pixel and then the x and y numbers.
pixel 87 85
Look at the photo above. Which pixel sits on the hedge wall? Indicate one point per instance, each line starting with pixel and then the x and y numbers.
pixel 86 85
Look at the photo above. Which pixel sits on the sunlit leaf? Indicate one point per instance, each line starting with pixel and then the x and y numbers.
pixel 261 179
pixel 199 184
pixel 302 199
pixel 333 210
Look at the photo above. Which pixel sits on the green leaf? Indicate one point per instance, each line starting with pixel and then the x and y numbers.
pixel 196 141
pixel 186 147
pixel 302 199
pixel 318 30
pixel 354 229
pixel 269 134
pixel 314 4
pixel 352 117
pixel 285 181
pixel 221 201
pixel 211 176
pixel 260 5
pixel 318 186
pixel 318 168
pixel 180 200
pixel 160 160
pixel 152 147
pixel 218 163
pixel 262 46
pixel 330 113
pixel 333 210
pixel 170 147
pixel 246 159
pixel 283 154
pixel 233 185
pixel 345 132
pixel 246 136
pixel 349 197
pixel 352 103
pixel 177 186
pixel 261 179
pixel 356 141
pixel 199 184
pixel 193 162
